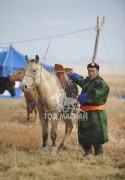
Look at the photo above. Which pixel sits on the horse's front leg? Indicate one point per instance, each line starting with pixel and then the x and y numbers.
pixel 54 135
pixel 44 122
pixel 29 115
pixel 44 133
pixel 36 114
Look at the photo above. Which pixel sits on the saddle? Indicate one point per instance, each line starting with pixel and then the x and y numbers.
pixel 67 84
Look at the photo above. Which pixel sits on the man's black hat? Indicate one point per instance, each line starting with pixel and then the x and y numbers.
pixel 91 65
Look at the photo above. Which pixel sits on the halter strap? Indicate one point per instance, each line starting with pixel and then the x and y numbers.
pixel 38 77
pixel 32 76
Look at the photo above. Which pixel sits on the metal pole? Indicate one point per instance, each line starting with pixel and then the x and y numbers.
pixel 97 37
pixel 11 60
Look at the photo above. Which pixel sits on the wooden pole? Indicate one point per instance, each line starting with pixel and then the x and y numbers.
pixel 99 26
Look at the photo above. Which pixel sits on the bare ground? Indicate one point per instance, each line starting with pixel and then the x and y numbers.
pixel 20 144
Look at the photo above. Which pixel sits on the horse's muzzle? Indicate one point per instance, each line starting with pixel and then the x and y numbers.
pixel 13 94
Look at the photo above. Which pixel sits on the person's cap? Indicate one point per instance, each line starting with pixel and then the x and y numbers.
pixel 93 65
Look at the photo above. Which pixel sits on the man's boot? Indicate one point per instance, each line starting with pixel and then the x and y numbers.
pixel 87 149
pixel 98 149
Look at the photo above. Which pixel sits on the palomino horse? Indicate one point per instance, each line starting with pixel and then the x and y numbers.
pixel 7 84
pixel 47 86
pixel 30 96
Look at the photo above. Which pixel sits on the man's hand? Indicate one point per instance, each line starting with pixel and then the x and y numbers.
pixel 82 98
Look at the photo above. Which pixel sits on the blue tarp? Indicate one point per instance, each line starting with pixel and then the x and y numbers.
pixel 48 67
pixel 122 98
pixel 10 62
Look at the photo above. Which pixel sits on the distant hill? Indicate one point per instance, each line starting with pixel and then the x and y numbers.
pixel 107 67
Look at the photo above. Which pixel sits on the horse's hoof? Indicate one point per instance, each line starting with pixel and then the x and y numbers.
pixel 44 149
pixel 62 146
pixel 30 115
pixel 54 150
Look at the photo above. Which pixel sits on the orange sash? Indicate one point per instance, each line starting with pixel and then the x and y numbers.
pixel 92 108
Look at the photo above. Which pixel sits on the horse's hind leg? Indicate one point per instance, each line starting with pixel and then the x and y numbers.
pixel 68 129
pixel 53 136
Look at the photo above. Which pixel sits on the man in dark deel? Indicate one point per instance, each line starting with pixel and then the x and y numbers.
pixel 92 131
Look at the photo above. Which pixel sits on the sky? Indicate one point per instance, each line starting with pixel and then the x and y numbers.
pixel 24 20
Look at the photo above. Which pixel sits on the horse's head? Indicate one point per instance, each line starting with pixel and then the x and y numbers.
pixel 11 86
pixel 32 77
pixel 19 75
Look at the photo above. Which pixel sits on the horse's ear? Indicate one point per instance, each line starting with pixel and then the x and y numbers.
pixel 37 59
pixel 26 57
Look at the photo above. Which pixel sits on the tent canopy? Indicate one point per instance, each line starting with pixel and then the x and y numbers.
pixel 48 67
pixel 10 61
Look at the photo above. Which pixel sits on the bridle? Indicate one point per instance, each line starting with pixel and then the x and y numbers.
pixel 34 84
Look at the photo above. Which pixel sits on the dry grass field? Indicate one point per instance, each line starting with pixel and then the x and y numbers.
pixel 20 145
